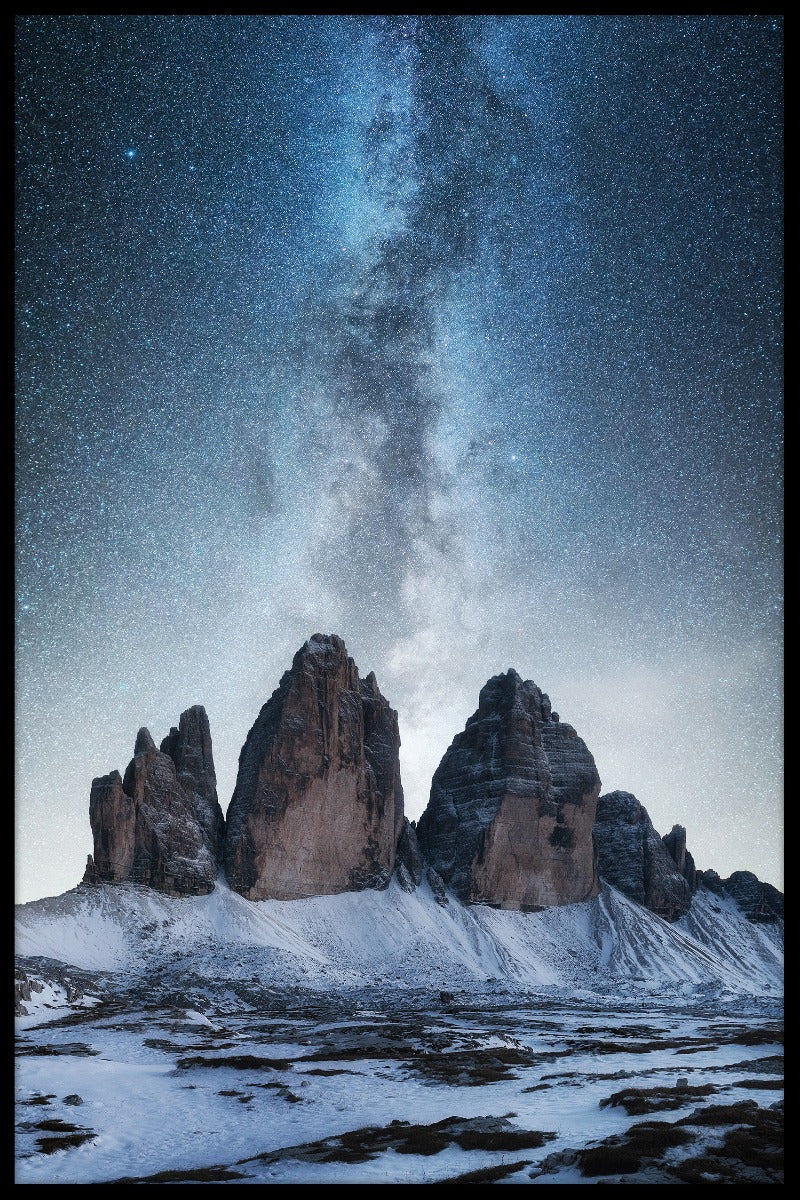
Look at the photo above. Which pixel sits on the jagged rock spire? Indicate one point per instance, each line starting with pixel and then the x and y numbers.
pixel 656 873
pixel 161 824
pixel 318 803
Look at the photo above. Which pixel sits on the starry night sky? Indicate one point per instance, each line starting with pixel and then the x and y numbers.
pixel 460 337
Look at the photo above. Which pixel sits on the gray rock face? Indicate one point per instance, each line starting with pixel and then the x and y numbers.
pixel 760 902
pixel 437 887
pixel 408 863
pixel 632 856
pixel 675 845
pixel 512 805
pixel 160 825
pixel 318 804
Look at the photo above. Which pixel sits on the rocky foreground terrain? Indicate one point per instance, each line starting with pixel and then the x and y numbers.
pixel 382 1037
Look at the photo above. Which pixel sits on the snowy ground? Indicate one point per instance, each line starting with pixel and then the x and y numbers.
pixel 216 1040
pixel 363 938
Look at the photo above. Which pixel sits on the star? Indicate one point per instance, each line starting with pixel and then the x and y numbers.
pixel 546 242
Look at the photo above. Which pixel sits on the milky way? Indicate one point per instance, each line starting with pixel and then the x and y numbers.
pixel 459 337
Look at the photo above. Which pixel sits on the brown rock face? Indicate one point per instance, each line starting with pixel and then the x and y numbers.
pixel 318 803
pixel 162 824
pixel 512 805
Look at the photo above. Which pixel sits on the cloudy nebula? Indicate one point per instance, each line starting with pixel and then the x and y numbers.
pixel 460 337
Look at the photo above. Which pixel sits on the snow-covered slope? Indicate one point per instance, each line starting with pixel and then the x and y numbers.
pixel 405 939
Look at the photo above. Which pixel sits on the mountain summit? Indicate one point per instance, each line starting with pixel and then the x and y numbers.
pixel 514 820
pixel 161 824
pixel 512 804
pixel 318 803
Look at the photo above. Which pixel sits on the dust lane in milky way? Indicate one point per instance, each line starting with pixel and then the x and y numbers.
pixel 459 337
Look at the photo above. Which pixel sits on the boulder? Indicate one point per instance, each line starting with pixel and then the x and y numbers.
pixel 318 803
pixel 712 881
pixel 161 825
pixel 512 805
pixel 24 985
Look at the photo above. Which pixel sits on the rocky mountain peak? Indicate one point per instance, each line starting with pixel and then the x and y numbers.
pixel 505 692
pixel 513 819
pixel 675 845
pixel 656 873
pixel 161 823
pixel 318 803
pixel 322 652
pixel 144 742
pixel 512 804
pixel 760 902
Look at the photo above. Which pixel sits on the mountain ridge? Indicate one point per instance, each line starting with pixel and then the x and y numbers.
pixel 519 875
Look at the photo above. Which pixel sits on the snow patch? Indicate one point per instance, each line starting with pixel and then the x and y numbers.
pixel 362 938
